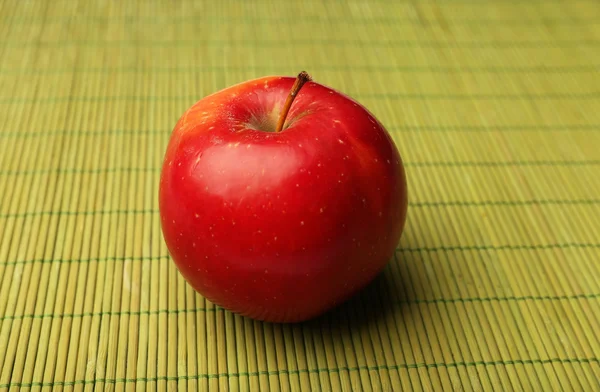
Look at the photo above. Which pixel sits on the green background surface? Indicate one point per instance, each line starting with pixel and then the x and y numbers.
pixel 495 108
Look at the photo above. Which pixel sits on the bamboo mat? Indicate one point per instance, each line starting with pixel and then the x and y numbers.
pixel 494 105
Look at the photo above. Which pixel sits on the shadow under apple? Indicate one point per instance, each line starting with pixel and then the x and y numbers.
pixel 380 299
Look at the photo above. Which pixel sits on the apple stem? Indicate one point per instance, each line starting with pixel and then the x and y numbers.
pixel 302 78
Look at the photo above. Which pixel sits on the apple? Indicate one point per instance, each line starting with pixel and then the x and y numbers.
pixel 280 198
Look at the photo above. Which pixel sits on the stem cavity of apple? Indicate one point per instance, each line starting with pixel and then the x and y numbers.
pixel 301 79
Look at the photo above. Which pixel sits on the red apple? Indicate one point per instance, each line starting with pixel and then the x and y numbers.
pixel 281 197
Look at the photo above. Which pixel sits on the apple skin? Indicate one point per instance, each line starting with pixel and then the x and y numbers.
pixel 281 226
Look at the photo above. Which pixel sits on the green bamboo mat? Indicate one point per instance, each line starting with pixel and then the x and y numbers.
pixel 494 105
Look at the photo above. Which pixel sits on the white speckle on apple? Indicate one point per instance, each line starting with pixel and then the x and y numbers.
pixel 303 248
pixel 266 271
pixel 179 164
pixel 340 141
pixel 185 255
pixel 299 144
pixel 342 174
pixel 318 165
pixel 343 225
pixel 376 160
pixel 182 177
pixel 170 163
pixel 275 238
pixel 173 221
pixel 355 104
pixel 297 185
pixel 206 257
pixel 206 188
pixel 340 181
pixel 321 210
pixel 248 145
pixel 259 231
pixel 317 139
pixel 274 297
pixel 236 144
pixel 226 267
pixel 388 161
pixel 330 92
pixel 211 127
pixel 193 244
pixel 364 200
pixel 336 121
pixel 301 223
pixel 380 214
pixel 212 235
pixel 233 223
pixel 197 216
pixel 353 239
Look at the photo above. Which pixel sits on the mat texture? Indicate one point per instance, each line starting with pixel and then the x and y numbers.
pixel 494 105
